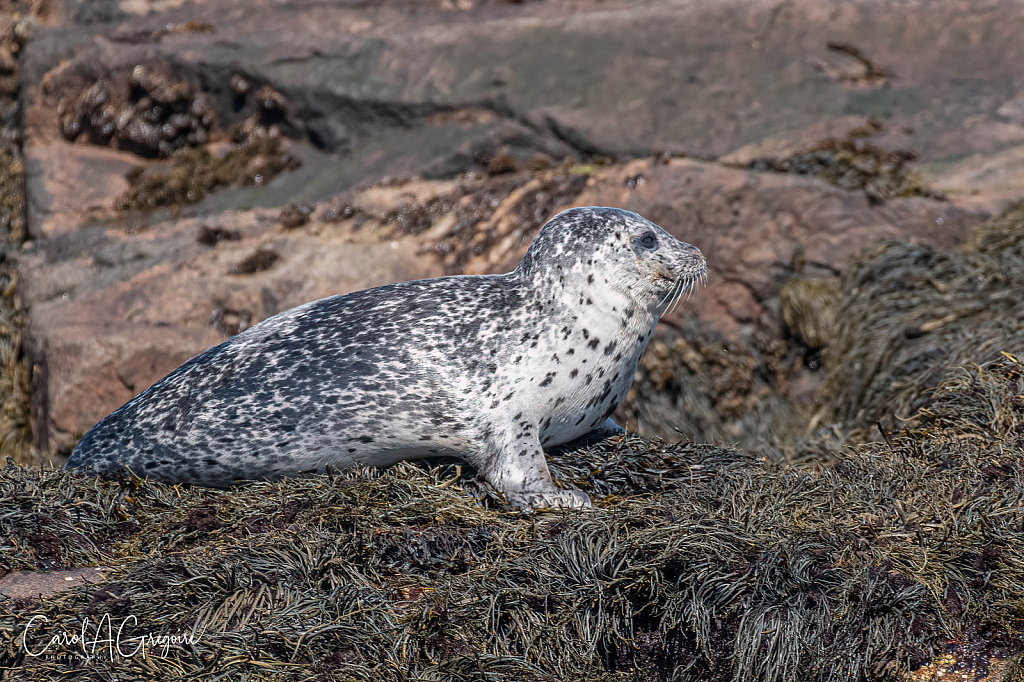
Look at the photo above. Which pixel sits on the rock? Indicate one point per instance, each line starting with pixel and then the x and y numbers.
pixel 1013 110
pixel 69 185
pixel 42 584
pixel 410 89
pixel 112 310
pixel 870 129
pixel 990 182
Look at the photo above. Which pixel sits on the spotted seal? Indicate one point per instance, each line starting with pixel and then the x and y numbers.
pixel 487 368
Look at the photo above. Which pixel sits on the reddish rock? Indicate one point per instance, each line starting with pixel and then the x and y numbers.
pixel 71 184
pixel 989 182
pixel 759 229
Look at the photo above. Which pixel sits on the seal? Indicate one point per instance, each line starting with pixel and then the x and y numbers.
pixel 489 369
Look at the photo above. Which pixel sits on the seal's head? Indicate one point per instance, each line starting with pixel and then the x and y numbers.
pixel 628 252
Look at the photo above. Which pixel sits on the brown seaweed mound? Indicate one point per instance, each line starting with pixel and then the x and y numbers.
pixel 696 385
pixel 156 112
pixel 863 351
pixel 698 563
pixel 195 172
pixel 15 429
pixel 910 315
pixel 855 164
pixel 148 111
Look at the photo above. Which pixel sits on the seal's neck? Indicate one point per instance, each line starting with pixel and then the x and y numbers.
pixel 588 294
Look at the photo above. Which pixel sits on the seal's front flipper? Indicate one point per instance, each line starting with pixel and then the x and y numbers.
pixel 605 430
pixel 517 468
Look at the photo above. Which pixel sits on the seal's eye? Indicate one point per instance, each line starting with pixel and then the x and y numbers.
pixel 648 240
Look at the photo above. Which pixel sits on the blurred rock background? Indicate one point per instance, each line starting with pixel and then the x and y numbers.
pixel 174 172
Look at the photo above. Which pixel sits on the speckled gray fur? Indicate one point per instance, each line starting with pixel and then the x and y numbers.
pixel 489 369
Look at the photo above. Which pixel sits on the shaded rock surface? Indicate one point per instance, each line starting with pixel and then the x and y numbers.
pixel 620 78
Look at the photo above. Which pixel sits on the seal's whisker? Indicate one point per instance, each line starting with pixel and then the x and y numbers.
pixel 679 297
pixel 689 290
pixel 680 287
pixel 677 290
pixel 683 286
pixel 668 295
pixel 663 301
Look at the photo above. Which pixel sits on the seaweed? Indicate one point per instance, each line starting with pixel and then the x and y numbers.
pixel 697 562
pixel 694 384
pixel 909 316
pixel 808 309
pixel 148 111
pixel 294 216
pixel 507 209
pixel 259 260
pixel 15 407
pixel 211 236
pixel 854 163
pixel 195 172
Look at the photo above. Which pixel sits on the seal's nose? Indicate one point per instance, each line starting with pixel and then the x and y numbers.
pixel 693 252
